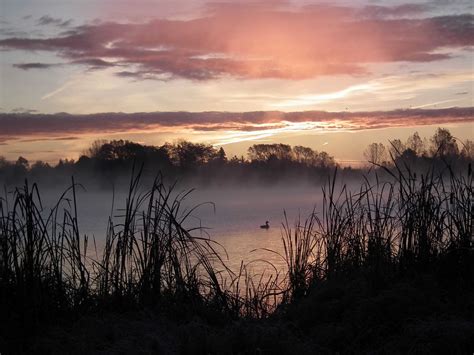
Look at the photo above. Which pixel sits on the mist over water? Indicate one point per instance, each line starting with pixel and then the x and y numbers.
pixel 231 216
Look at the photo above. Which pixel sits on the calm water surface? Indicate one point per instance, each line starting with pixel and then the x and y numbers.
pixel 234 222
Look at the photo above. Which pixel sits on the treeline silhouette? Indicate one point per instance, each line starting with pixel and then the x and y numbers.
pixel 183 160
pixel 109 161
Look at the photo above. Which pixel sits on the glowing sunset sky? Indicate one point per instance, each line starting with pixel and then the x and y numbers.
pixel 334 76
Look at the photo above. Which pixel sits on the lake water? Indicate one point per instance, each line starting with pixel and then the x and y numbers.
pixel 234 222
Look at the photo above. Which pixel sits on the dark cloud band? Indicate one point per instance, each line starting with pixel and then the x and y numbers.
pixel 22 125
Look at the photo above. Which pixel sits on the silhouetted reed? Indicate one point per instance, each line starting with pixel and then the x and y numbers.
pixel 43 271
pixel 403 223
pixel 150 254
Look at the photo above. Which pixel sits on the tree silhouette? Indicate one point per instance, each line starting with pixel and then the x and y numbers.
pixel 221 156
pixel 467 150
pixel 416 144
pixel 443 143
pixel 396 148
pixel 375 153
pixel 189 155
pixel 22 163
pixel 324 160
pixel 305 155
pixel 267 152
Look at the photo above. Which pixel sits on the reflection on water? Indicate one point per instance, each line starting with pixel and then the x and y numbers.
pixel 234 222
pixel 239 214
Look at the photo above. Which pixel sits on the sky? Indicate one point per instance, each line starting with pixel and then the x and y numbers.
pixel 333 75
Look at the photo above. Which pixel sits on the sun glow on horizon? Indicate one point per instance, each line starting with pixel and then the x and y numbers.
pixel 285 127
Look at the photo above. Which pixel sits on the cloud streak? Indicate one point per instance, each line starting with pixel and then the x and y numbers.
pixel 254 42
pixel 28 66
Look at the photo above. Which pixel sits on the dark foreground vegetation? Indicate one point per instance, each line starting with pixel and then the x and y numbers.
pixel 385 269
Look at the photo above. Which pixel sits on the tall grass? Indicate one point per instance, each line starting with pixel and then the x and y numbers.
pixel 43 270
pixel 401 223
pixel 149 258
pixel 150 254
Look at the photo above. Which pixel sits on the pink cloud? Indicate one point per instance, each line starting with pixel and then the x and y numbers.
pixel 261 42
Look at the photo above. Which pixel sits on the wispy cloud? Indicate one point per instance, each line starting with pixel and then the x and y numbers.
pixel 385 88
pixel 309 100
pixel 431 104
pixel 63 87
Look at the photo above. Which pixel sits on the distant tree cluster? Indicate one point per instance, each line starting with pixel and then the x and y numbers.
pixel 179 160
pixel 442 146
pixel 285 153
